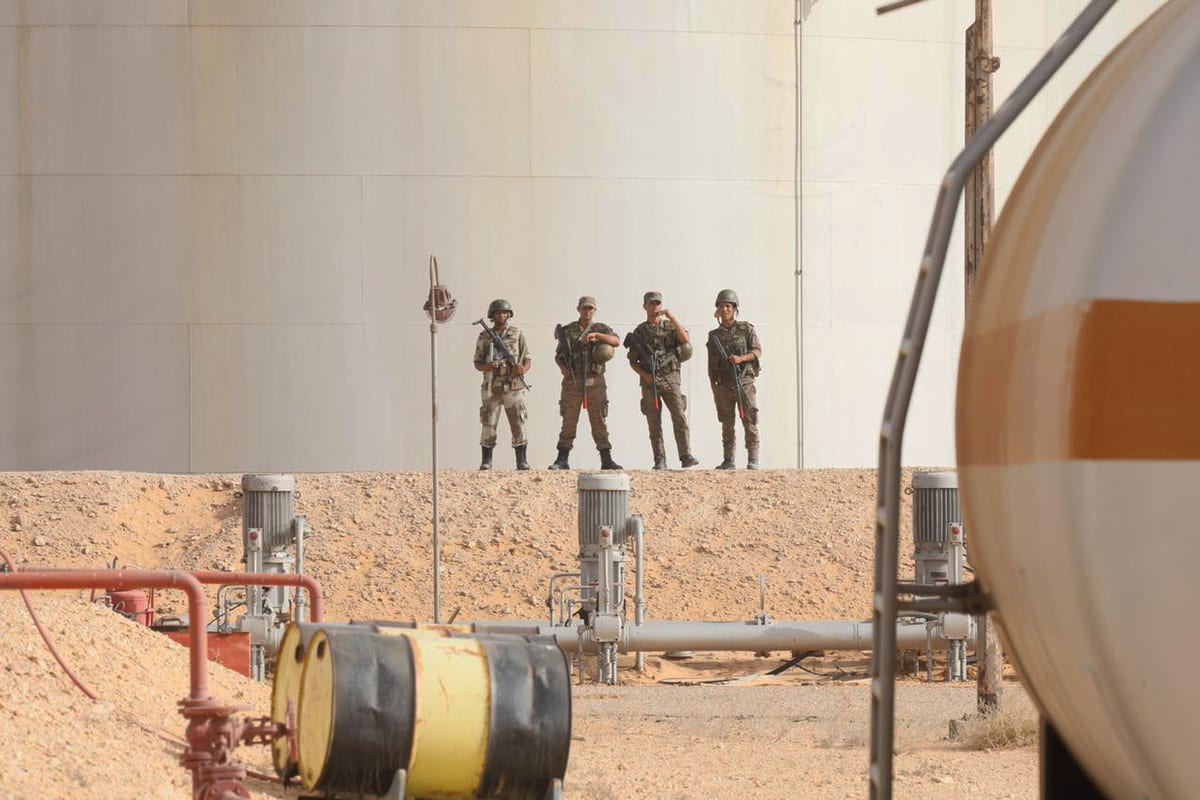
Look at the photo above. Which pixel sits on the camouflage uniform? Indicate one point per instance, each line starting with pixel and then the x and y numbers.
pixel 739 339
pixel 573 389
pixel 501 388
pixel 661 339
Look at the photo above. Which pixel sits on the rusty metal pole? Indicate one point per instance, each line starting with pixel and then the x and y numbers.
pixel 433 329
pixel 977 227
pixel 979 195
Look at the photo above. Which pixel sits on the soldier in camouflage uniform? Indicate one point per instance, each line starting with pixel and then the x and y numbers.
pixel 583 348
pixel 503 386
pixel 656 348
pixel 730 371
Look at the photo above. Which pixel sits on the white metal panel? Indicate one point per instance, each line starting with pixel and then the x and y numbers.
pixel 880 234
pixel 109 249
pixel 15 265
pixel 543 148
pixel 276 249
pixel 89 395
pixel 317 101
pixel 479 228
pixel 884 124
pixel 10 101
pixel 671 105
pixel 128 116
pixel 756 16
pixel 846 374
pixel 270 397
pixel 88 12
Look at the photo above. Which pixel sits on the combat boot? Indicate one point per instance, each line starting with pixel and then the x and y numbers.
pixel 688 460
pixel 606 460
pixel 561 461
pixel 728 462
pixel 521 462
pixel 752 459
pixel 660 462
pixel 486 463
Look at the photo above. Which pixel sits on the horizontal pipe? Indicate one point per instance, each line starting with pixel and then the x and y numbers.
pixel 728 636
pixel 131 579
pixel 316 597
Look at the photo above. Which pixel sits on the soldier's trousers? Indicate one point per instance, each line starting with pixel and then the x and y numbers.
pixel 570 403
pixel 513 403
pixel 725 397
pixel 670 397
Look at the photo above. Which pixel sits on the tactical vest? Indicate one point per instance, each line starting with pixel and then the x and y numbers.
pixel 662 341
pixel 736 341
pixel 502 377
pixel 573 331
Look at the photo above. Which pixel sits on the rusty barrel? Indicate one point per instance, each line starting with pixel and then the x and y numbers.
pixel 466 715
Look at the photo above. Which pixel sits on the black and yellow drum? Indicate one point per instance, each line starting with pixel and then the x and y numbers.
pixel 466 716
pixel 285 690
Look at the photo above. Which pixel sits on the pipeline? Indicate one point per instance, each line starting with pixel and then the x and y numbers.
pixel 212 733
pixel 751 636
pixel 316 597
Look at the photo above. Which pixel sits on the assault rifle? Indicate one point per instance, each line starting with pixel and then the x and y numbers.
pixel 502 350
pixel 713 339
pixel 587 361
pixel 564 354
pixel 646 357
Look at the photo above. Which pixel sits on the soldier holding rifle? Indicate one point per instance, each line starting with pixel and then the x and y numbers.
pixel 734 351
pixel 503 357
pixel 583 348
pixel 656 348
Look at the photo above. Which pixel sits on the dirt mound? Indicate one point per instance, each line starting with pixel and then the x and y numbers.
pixel 709 535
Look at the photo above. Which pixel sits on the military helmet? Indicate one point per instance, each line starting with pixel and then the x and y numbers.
pixel 500 305
pixel 727 296
pixel 602 352
pixel 685 351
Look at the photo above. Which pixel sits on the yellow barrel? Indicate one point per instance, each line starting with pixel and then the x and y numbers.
pixel 467 716
pixel 285 689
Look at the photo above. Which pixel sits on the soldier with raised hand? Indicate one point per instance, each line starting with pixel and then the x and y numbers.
pixel 584 346
pixel 503 381
pixel 656 349
pixel 734 352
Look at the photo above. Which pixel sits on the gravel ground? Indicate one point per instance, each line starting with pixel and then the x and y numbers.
pixel 709 538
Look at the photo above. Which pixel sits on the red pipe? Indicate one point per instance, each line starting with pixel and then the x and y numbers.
pixel 131 579
pixel 316 598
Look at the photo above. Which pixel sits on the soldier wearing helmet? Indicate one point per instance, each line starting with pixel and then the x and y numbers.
pixel 583 347
pixel 503 386
pixel 734 353
pixel 656 348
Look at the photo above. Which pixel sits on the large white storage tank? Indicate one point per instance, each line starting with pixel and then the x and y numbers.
pixel 216 215
pixel 1078 434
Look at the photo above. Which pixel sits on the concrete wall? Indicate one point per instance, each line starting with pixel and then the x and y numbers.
pixel 216 215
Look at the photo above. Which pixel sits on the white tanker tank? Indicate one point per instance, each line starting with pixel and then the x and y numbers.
pixel 1079 416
